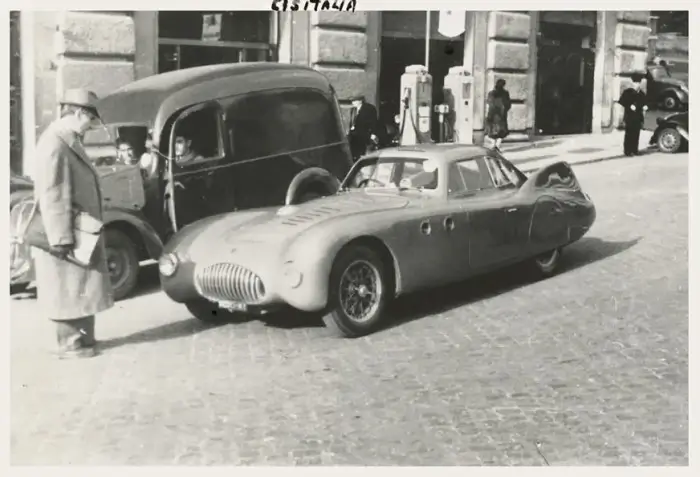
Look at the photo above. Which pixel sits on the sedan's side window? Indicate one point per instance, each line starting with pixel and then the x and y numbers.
pixel 468 176
pixel 503 176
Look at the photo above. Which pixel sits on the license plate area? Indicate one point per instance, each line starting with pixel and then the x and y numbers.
pixel 232 305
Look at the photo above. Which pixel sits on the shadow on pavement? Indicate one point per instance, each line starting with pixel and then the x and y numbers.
pixel 416 306
pixel 169 331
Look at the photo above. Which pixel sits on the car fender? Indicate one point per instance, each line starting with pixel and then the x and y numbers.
pixel 151 239
pixel 311 175
pixel 313 253
pixel 676 91
pixel 684 132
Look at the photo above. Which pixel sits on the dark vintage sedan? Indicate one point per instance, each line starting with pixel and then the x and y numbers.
pixel 671 133
pixel 665 91
pixel 404 219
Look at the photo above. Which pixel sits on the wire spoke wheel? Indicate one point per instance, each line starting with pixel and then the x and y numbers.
pixel 360 290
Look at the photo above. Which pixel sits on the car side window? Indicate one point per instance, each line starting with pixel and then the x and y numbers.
pixel 468 176
pixel 504 176
pixel 198 137
pixel 280 122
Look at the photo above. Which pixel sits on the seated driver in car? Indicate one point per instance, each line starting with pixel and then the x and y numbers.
pixel 125 153
pixel 184 154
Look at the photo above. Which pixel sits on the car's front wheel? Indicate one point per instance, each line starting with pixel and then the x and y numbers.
pixel 670 140
pixel 122 263
pixel 358 292
pixel 208 312
pixel 546 264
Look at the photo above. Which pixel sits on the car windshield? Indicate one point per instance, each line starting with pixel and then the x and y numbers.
pixel 112 144
pixel 659 73
pixel 395 172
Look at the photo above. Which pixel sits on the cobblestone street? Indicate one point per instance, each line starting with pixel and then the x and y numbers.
pixel 592 363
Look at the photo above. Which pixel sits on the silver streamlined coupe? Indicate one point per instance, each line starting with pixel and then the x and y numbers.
pixel 404 219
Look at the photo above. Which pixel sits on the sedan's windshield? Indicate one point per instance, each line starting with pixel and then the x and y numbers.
pixel 392 172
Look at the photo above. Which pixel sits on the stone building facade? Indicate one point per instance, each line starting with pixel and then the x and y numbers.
pixel 105 50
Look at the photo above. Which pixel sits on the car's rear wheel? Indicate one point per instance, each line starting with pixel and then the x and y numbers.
pixel 546 264
pixel 670 102
pixel 670 140
pixel 208 312
pixel 122 263
pixel 358 292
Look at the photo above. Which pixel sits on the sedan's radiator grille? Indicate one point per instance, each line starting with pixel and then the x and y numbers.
pixel 229 282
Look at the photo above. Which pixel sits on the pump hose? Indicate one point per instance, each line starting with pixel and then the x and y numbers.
pixel 407 109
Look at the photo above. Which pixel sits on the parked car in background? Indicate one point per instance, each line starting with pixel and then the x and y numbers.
pixel 21 267
pixel 664 91
pixel 671 133
pixel 404 219
pixel 261 134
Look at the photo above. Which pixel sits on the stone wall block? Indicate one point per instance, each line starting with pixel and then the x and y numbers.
pixel 333 46
pixel 96 33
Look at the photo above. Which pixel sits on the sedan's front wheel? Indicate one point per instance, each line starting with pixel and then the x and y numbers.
pixel 358 292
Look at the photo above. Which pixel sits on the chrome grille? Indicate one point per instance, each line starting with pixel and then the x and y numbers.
pixel 229 282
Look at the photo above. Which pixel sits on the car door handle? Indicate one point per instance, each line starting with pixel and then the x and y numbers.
pixel 512 209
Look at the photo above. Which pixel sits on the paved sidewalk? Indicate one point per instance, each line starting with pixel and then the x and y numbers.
pixel 578 149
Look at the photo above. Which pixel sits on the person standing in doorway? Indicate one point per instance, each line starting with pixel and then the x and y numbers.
pixel 364 127
pixel 497 107
pixel 70 295
pixel 634 101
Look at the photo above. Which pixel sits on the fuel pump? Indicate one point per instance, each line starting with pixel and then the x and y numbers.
pixel 416 106
pixel 458 92
pixel 442 111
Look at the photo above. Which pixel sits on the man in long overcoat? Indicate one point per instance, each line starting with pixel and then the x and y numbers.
pixel 635 103
pixel 65 182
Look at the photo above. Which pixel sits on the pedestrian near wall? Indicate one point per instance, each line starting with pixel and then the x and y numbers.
pixel 65 181
pixel 634 101
pixel 497 108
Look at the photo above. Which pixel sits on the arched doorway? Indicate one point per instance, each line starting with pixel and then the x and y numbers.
pixel 565 72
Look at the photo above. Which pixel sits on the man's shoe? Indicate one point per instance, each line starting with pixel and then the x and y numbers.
pixel 78 353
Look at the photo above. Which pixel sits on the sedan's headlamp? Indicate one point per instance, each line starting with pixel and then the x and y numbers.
pixel 167 264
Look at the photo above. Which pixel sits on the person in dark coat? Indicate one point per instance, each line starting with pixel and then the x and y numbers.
pixel 364 127
pixel 66 181
pixel 634 101
pixel 497 107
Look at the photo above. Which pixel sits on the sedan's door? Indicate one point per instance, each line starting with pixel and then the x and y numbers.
pixel 517 209
pixel 471 189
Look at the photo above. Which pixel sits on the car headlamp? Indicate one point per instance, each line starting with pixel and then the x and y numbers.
pixel 292 277
pixel 167 264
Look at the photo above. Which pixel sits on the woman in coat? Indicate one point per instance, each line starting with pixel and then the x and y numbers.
pixel 498 105
pixel 66 181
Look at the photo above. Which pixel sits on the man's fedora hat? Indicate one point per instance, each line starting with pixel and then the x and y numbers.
pixel 81 97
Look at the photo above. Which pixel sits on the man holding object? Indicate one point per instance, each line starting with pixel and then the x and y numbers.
pixel 65 182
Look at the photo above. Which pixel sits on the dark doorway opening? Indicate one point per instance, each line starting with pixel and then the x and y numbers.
pixel 565 78
pixel 398 53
